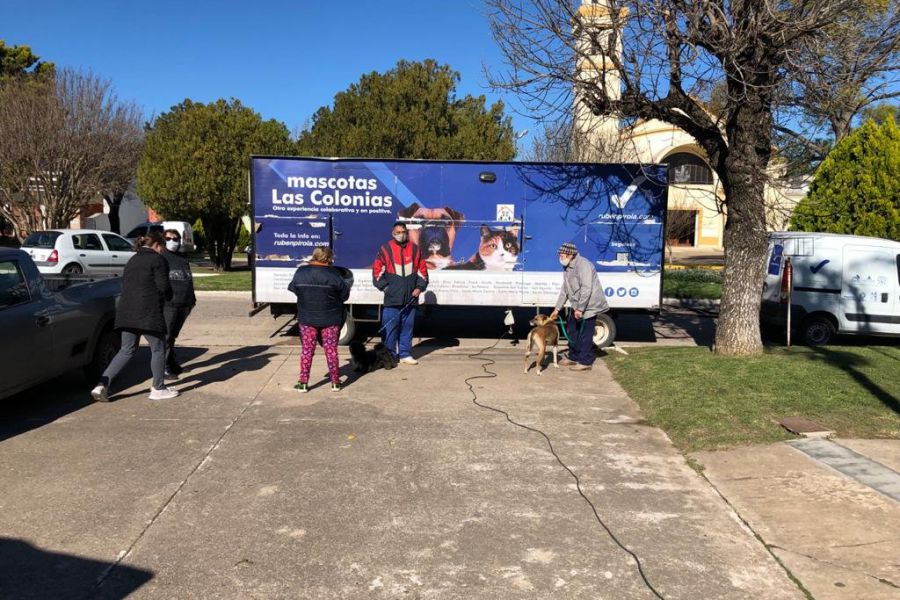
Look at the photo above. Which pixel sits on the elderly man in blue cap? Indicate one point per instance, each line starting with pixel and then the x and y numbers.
pixel 581 288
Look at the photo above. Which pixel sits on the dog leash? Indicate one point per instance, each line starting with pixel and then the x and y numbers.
pixel 399 314
pixel 562 326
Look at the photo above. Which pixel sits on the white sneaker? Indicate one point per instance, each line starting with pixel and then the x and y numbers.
pixel 163 393
pixel 100 393
pixel 409 360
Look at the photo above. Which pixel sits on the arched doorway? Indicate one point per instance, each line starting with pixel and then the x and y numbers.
pixel 693 219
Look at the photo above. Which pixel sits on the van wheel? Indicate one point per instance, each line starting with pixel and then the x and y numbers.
pixel 73 269
pixel 107 347
pixel 818 331
pixel 348 330
pixel 604 331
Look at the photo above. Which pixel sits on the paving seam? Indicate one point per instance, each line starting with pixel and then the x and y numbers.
pixel 126 553
pixel 829 563
pixel 851 464
pixel 746 524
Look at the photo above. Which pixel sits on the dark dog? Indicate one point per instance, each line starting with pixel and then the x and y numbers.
pixel 366 361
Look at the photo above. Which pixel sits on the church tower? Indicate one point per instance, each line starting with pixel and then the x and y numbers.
pixel 595 134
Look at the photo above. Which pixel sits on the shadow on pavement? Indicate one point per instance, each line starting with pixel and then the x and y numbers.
pixel 421 349
pixel 43 404
pixel 219 368
pixel 686 324
pixel 26 571
pixel 427 346
pixel 68 393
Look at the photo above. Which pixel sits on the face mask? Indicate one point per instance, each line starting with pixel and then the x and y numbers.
pixel 400 237
pixel 565 261
pixel 172 245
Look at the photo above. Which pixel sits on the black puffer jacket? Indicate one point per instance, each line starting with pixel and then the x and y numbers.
pixel 321 292
pixel 181 279
pixel 145 289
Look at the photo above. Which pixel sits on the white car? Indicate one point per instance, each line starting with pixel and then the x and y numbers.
pixel 77 251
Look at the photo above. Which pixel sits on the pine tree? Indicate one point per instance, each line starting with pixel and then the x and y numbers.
pixel 856 190
pixel 410 111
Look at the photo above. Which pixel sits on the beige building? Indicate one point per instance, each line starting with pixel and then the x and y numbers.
pixel 695 198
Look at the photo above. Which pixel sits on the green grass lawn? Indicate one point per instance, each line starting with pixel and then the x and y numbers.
pixel 705 402
pixel 692 283
pixel 229 281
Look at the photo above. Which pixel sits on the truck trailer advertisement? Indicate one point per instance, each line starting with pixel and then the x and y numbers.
pixel 489 231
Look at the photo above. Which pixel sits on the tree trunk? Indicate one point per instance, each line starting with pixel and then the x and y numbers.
pixel 115 202
pixel 737 331
pixel 220 239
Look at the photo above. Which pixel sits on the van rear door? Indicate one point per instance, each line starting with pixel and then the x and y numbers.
pixel 869 301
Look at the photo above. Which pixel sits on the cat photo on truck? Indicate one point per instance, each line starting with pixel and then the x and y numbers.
pixel 498 250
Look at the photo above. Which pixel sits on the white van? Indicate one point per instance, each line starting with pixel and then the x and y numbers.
pixel 841 284
pixel 182 227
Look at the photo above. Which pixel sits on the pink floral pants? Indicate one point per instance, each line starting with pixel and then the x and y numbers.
pixel 328 336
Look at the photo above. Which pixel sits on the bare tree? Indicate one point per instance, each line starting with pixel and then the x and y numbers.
pixel 124 143
pixel 840 76
pixel 565 141
pixel 657 59
pixel 65 139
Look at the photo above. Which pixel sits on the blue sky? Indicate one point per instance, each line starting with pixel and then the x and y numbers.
pixel 283 58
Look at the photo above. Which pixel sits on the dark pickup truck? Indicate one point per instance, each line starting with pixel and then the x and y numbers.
pixel 51 324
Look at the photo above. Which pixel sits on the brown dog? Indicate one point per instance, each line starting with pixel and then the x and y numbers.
pixel 543 333
pixel 433 230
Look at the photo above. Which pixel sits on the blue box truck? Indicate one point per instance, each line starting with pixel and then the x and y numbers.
pixel 489 231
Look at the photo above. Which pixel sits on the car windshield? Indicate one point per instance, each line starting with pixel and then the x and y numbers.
pixel 42 239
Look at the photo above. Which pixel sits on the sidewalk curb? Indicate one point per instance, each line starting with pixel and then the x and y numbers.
pixel 703 303
pixel 223 293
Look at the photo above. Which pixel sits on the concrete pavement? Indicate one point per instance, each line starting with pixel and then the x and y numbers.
pixel 840 538
pixel 399 486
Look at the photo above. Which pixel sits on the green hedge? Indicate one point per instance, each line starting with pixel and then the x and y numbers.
pixel 694 275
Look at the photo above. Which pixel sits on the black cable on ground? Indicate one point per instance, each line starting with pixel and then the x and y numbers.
pixel 488 374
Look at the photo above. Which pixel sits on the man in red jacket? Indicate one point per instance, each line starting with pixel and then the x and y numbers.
pixel 401 273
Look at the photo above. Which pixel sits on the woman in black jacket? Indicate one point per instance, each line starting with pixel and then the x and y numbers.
pixel 145 289
pixel 321 291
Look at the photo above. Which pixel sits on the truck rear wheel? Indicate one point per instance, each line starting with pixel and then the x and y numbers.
pixel 817 330
pixel 604 331
pixel 348 330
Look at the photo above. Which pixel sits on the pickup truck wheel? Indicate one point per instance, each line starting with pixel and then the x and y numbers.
pixel 817 331
pixel 73 269
pixel 107 347
pixel 348 330
pixel 604 331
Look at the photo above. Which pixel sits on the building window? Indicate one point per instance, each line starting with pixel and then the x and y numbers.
pixel 687 168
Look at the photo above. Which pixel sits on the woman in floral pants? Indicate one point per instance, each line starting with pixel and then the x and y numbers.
pixel 321 291
pixel 328 337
